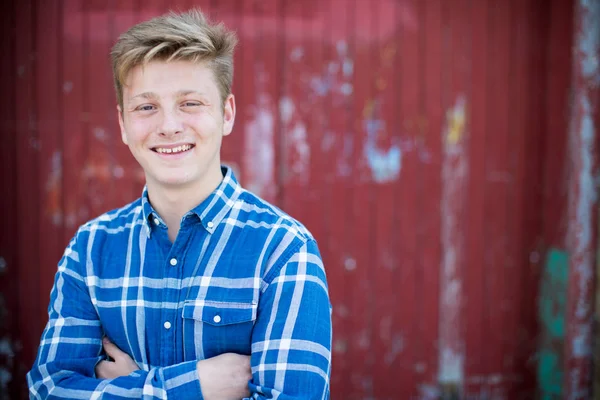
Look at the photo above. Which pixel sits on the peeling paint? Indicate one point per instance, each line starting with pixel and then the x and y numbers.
pixel 454 181
pixel 344 165
pixel 451 366
pixel 582 199
pixel 385 164
pixel 588 43
pixel 286 109
pixel 259 154
pixel 300 164
pixel 350 264
pixel 346 89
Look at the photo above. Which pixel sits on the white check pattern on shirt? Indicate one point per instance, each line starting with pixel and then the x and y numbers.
pixel 241 276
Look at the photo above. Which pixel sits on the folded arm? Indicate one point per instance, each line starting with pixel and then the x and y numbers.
pixel 71 347
pixel 291 341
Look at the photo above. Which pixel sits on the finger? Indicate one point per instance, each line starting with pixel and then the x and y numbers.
pixel 101 370
pixel 111 349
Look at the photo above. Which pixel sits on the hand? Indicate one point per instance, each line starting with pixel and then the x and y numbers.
pixel 122 365
pixel 225 376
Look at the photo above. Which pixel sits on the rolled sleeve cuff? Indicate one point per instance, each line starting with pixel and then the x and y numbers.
pixel 181 381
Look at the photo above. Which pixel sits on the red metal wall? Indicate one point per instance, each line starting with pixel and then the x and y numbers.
pixel 420 141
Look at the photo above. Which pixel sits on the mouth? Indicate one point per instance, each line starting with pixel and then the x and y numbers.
pixel 173 150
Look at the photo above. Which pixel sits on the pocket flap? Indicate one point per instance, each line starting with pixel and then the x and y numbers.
pixel 219 313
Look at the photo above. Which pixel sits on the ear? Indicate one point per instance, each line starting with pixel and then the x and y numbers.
pixel 228 114
pixel 121 125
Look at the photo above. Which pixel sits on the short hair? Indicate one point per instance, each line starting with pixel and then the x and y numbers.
pixel 188 36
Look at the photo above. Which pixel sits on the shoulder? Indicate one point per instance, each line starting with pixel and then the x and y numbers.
pixel 284 238
pixel 114 222
pixel 253 208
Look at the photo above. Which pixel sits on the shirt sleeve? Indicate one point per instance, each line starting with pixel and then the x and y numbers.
pixel 291 341
pixel 71 346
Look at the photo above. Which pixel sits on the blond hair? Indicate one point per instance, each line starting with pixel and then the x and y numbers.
pixel 188 36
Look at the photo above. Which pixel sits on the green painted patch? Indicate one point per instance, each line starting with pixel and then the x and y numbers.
pixel 552 305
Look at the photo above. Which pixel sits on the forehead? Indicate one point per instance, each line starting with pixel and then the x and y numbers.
pixel 164 78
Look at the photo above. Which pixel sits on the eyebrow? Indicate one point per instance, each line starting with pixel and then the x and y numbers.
pixel 154 96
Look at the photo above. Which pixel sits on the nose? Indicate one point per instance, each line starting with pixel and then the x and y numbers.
pixel 171 123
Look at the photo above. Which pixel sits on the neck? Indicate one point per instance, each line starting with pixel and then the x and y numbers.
pixel 173 202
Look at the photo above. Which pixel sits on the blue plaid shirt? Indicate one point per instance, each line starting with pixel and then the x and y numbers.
pixel 241 276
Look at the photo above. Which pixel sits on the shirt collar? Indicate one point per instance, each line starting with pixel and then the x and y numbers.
pixel 211 211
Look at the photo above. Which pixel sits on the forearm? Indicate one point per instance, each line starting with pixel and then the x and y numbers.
pixel 291 341
pixel 61 380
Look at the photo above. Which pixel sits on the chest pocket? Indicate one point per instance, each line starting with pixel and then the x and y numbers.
pixel 211 328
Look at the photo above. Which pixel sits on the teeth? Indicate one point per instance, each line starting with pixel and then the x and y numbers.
pixel 177 149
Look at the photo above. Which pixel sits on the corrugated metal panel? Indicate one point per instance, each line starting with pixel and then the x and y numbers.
pixel 421 142
pixel 583 163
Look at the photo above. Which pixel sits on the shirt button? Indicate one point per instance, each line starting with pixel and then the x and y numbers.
pixel 167 325
pixel 173 261
pixel 217 319
pixel 156 221
pixel 210 224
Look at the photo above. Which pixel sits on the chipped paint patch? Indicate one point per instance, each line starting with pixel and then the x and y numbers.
pixel 451 366
pixel 259 154
pixel 344 165
pixel 300 164
pixel 582 199
pixel 385 164
pixel 286 109
pixel 455 120
pixel 454 181
pixel 588 43
pixel 296 141
pixel 350 264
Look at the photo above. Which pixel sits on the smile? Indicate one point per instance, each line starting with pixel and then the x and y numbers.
pixel 173 150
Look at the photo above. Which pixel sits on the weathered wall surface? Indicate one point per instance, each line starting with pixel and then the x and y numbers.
pixel 424 143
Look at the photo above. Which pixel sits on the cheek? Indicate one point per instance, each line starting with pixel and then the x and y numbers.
pixel 138 130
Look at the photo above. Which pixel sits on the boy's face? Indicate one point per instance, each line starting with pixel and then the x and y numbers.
pixel 173 122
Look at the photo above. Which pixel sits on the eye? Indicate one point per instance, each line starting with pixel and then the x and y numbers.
pixel 145 107
pixel 191 104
